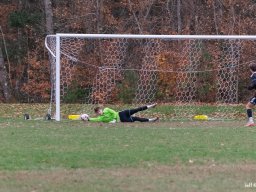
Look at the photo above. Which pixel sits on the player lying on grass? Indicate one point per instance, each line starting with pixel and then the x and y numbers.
pixel 252 102
pixel 108 115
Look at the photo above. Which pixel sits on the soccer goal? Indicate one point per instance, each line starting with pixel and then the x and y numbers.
pixel 192 74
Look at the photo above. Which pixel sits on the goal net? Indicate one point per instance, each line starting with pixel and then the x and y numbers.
pixel 188 74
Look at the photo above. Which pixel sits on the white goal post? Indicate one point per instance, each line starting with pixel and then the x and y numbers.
pixel 54 45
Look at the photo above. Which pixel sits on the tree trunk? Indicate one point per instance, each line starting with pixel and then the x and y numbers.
pixel 135 17
pixel 215 18
pixel 48 16
pixel 98 15
pixel 49 30
pixel 4 78
pixel 179 16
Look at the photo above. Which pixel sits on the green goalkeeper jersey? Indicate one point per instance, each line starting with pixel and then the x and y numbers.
pixel 109 115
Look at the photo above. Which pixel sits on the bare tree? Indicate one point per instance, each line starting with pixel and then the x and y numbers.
pixel 179 15
pixel 135 17
pixel 48 16
pixel 99 4
pixel 233 19
pixel 4 78
pixel 215 18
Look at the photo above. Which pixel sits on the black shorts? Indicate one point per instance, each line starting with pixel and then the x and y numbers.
pixel 126 115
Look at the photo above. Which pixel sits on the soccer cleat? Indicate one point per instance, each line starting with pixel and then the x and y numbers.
pixel 157 119
pixel 249 124
pixel 152 106
pixel 154 119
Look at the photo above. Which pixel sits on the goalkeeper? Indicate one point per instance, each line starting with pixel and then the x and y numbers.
pixel 252 102
pixel 108 115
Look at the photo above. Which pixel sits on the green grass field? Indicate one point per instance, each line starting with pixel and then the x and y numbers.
pixel 65 156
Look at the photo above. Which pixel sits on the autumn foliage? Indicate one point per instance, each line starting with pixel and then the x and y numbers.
pixel 23 26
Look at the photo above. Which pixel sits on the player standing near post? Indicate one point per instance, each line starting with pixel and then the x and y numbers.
pixel 108 115
pixel 252 102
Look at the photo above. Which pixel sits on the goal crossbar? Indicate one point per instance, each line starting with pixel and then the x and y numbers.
pixel 138 36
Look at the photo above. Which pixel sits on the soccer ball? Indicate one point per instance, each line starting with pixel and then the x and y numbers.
pixel 84 117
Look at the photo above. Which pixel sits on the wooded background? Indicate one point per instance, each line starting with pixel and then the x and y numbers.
pixel 24 64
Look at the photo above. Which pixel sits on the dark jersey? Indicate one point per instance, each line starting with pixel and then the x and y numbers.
pixel 253 82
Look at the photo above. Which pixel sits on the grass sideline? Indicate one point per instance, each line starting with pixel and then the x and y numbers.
pixel 166 112
pixel 64 156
